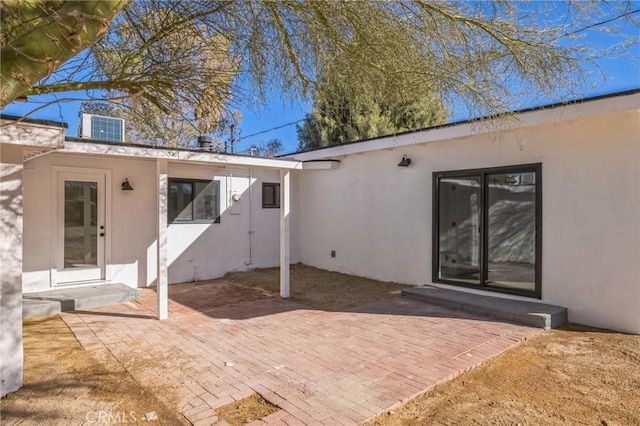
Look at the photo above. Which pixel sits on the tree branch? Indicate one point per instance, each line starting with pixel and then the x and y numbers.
pixel 38 52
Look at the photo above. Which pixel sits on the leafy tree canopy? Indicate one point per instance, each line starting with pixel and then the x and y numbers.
pixel 353 106
pixel 172 53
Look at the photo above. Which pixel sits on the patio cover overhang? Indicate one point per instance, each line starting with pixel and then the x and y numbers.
pixel 163 157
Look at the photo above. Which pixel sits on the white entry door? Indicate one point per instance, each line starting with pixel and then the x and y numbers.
pixel 81 227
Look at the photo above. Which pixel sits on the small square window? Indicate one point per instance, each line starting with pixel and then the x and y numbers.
pixel 193 201
pixel 270 195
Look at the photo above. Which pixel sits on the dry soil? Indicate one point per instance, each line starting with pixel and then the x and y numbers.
pixel 66 385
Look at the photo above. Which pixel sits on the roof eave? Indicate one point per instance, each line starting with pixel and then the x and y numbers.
pixel 600 105
pixel 116 150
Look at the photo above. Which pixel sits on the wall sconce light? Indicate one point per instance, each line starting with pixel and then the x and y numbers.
pixel 126 186
pixel 405 161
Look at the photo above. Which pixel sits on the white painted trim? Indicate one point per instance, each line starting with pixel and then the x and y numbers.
pixel 285 213
pixel 107 223
pixel 53 226
pixel 71 169
pixel 597 107
pixel 162 179
pixel 94 148
pixel 56 248
pixel 320 165
pixel 31 134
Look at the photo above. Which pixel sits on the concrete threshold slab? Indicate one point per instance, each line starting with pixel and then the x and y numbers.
pixel 71 299
pixel 523 312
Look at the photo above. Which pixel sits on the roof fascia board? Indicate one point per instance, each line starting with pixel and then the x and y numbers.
pixel 537 117
pixel 90 148
pixel 31 134
pixel 17 119
pixel 320 165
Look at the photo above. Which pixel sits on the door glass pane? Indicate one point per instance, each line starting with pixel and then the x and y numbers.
pixel 511 199
pixel 459 225
pixel 80 224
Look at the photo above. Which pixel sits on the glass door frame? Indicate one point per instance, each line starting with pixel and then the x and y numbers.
pixel 484 240
pixel 61 276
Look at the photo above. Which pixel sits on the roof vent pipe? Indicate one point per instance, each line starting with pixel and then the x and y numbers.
pixel 205 142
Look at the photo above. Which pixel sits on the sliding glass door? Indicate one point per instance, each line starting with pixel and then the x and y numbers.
pixel 458 225
pixel 487 228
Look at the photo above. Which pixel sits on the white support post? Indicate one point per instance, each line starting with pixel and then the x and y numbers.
pixel 285 210
pixel 11 243
pixel 162 279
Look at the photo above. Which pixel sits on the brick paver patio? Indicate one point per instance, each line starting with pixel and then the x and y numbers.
pixel 222 342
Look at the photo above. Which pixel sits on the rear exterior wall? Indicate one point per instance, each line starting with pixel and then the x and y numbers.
pixel 378 216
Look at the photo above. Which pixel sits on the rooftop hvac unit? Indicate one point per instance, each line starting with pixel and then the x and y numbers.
pixel 98 127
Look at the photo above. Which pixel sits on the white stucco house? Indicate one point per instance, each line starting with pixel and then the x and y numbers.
pixel 545 209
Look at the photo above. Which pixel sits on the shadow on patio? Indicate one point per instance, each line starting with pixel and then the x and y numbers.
pixel 253 294
pixel 343 350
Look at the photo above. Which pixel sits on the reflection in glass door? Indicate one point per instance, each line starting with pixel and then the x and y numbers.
pixel 81 232
pixel 487 228
pixel 80 224
pixel 511 230
pixel 459 227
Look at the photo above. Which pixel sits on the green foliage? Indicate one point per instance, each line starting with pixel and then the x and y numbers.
pixel 37 37
pixel 350 107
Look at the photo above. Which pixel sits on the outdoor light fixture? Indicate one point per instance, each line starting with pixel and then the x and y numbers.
pixel 126 186
pixel 405 161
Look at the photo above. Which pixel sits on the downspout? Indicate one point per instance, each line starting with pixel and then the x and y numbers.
pixel 250 219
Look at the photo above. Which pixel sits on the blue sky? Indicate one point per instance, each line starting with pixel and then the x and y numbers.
pixel 608 75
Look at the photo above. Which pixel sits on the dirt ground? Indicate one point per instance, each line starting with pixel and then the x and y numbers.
pixel 246 410
pixel 66 385
pixel 320 289
pixel 571 376
pixel 576 375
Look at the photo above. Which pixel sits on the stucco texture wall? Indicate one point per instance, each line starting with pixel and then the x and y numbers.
pixel 132 229
pixel 11 209
pixel 378 217
pixel 196 251
pixel 246 237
